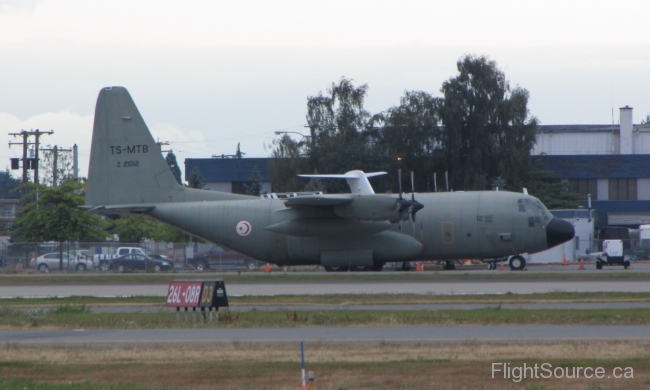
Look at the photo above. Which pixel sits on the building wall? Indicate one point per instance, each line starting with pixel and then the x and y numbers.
pixel 576 143
pixel 219 186
pixel 602 186
pixel 592 142
pixel 643 189
pixel 227 186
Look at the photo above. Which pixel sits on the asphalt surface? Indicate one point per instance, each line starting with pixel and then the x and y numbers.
pixel 385 307
pixel 327 288
pixel 347 335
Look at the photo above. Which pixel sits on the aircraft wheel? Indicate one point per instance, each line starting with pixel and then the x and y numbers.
pixel 517 263
pixel 491 265
pixel 335 269
pixel 599 265
pixel 406 266
pixel 626 264
pixel 448 265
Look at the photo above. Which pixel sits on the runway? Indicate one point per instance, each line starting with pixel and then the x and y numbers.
pixel 379 307
pixel 339 335
pixel 432 287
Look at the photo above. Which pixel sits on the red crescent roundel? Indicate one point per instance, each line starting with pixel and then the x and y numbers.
pixel 243 228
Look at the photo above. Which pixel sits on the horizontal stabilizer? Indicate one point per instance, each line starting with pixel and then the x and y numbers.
pixel 317 201
pixel 120 209
pixel 357 180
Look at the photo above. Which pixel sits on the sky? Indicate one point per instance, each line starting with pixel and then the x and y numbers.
pixel 209 74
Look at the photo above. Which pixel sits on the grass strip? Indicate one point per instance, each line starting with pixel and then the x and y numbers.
pixel 344 299
pixel 380 374
pixel 78 316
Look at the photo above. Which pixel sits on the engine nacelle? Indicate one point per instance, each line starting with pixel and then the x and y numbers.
pixel 369 208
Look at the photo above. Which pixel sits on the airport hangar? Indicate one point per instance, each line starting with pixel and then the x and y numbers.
pixel 609 162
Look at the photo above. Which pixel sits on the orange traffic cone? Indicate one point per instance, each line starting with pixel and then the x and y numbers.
pixel 582 264
pixel 564 261
pixel 47 270
pixel 267 269
pixel 501 267
pixel 285 269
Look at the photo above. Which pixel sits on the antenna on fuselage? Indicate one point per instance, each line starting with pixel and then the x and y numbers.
pixel 447 180
pixel 435 182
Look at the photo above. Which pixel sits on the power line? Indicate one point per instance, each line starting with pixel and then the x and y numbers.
pixel 28 163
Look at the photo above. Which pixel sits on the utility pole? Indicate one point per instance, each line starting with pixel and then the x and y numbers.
pixel 75 162
pixel 161 144
pixel 55 162
pixel 30 163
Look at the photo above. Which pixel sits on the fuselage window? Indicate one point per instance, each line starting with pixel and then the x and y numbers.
pixel 531 222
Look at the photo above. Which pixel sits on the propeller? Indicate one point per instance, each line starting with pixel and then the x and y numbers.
pixel 409 206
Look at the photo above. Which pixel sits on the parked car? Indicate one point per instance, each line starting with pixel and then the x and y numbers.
pixel 218 258
pixel 125 250
pixel 135 261
pixel 72 261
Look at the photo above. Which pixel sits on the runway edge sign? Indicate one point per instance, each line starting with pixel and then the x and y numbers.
pixel 206 294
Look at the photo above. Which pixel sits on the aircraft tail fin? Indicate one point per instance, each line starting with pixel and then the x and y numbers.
pixel 126 165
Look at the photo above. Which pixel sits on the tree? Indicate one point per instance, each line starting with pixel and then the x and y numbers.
pixel 646 121
pixel 173 165
pixel 255 188
pixel 64 166
pixel 488 131
pixel 238 153
pixel 7 185
pixel 133 228
pixel 341 132
pixel 196 179
pixel 288 159
pixel 411 132
pixel 546 187
pixel 56 216
pixel 315 184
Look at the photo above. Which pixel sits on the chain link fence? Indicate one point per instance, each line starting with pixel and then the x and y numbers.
pixel 100 256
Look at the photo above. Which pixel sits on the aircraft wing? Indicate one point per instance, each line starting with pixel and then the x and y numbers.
pixel 317 201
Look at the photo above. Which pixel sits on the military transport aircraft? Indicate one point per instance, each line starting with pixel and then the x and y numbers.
pixel 360 230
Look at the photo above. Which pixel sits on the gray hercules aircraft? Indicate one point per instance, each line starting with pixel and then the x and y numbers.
pixel 361 230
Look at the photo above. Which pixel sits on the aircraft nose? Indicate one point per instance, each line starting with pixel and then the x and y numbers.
pixel 558 231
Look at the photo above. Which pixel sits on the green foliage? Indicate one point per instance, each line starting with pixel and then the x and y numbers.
pixel 56 215
pixel 545 186
pixel 173 165
pixel 341 132
pixel 255 188
pixel 8 184
pixel 480 130
pixel 288 159
pixel 238 153
pixel 411 132
pixel 488 131
pixel 64 166
pixel 646 121
pixel 196 179
pixel 133 228
pixel 137 228
pixel 314 184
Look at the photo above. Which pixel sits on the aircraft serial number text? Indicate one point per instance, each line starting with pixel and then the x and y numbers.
pixel 129 149
pixel 128 164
